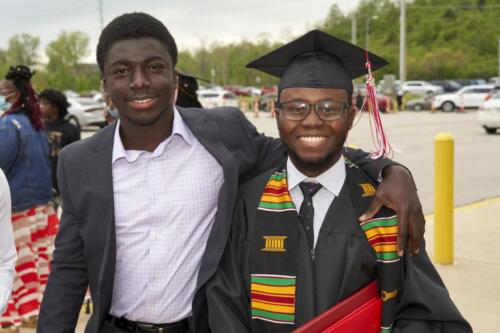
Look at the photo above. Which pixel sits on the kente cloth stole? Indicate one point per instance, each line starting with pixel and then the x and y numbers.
pixel 274 262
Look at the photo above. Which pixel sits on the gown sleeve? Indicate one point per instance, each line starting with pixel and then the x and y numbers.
pixel 425 304
pixel 228 304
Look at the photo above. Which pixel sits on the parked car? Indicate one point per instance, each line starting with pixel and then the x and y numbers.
pixel 254 91
pixel 265 101
pixel 85 111
pixel 382 99
pixel 238 90
pixel 215 98
pixel 447 85
pixel 494 91
pixel 469 96
pixel 470 82
pixel 268 89
pixel 419 104
pixel 489 114
pixel 421 88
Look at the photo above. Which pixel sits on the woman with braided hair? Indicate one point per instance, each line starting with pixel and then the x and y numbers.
pixel 24 152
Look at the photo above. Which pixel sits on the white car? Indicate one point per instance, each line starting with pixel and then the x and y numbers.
pixel 85 111
pixel 489 115
pixel 216 98
pixel 468 97
pixel 421 88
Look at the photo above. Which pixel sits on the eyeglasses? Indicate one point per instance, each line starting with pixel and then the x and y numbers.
pixel 326 110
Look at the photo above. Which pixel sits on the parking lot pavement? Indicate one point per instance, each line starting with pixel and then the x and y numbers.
pixel 473 279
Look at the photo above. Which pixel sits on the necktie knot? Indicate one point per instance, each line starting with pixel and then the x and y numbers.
pixel 309 189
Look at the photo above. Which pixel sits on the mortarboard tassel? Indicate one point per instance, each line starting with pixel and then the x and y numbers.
pixel 382 146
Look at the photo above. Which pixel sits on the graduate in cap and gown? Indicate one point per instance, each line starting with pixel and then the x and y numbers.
pixel 186 93
pixel 297 247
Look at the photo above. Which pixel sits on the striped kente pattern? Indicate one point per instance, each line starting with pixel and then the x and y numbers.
pixel 276 197
pixel 273 298
pixel 382 234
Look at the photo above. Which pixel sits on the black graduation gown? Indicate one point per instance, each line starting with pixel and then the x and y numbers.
pixel 344 262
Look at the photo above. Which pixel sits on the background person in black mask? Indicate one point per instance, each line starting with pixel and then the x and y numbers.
pixel 54 106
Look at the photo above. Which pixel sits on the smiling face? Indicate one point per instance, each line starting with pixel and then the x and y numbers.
pixel 139 78
pixel 49 110
pixel 9 91
pixel 314 145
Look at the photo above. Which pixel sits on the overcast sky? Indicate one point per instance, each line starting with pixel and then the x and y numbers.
pixel 189 21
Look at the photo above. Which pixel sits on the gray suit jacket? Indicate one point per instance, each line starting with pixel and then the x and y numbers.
pixel 85 247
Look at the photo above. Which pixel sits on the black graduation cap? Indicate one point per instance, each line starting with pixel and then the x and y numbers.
pixel 186 95
pixel 317 60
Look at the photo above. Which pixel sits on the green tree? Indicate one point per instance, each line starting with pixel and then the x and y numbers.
pixel 65 67
pixel 23 49
pixel 68 50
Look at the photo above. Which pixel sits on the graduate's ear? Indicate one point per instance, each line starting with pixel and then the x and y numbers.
pixel 352 115
pixel 277 109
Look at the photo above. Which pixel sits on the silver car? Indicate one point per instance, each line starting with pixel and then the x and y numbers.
pixel 489 115
pixel 85 111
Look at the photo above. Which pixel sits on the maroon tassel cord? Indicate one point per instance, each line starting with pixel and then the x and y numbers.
pixel 382 146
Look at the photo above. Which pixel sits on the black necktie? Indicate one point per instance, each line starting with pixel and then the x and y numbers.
pixel 306 212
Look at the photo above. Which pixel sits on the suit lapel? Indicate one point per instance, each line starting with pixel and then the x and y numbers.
pixel 101 184
pixel 206 131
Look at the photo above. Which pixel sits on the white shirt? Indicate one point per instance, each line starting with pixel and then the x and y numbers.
pixel 331 180
pixel 165 205
pixel 8 253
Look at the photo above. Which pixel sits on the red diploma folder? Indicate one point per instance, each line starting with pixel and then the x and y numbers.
pixel 359 313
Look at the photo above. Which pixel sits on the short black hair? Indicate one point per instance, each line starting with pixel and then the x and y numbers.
pixel 133 26
pixel 58 99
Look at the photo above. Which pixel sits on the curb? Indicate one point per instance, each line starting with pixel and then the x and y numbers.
pixel 466 207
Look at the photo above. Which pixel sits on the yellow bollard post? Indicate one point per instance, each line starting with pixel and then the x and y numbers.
pixel 443 198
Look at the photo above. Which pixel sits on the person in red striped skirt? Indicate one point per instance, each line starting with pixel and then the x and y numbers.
pixel 24 160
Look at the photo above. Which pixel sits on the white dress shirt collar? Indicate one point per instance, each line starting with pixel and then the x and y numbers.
pixel 179 128
pixel 332 179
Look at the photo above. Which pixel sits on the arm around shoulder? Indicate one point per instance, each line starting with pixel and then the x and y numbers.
pixel 268 151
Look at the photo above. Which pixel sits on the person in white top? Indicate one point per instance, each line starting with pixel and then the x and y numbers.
pixel 8 254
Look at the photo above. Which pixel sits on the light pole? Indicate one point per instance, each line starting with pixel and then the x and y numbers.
pixel 353 28
pixel 402 42
pixel 100 14
pixel 367 30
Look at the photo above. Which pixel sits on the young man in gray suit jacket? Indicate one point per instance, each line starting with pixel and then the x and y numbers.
pixel 147 201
